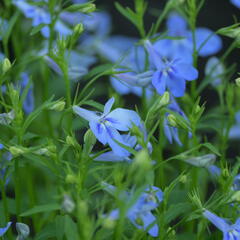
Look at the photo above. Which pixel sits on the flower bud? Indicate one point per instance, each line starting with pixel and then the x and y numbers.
pixel 237 81
pixel 89 138
pixel 16 151
pixel 165 99
pixel 78 29
pixel 172 120
pixel 202 161
pixel 6 65
pixel 68 205
pixel 59 106
pixel 71 179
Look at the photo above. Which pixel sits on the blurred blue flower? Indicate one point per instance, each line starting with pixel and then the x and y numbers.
pixel 236 3
pixel 41 16
pixel 234 132
pixel 28 103
pixel 214 170
pixel 106 125
pixel 170 74
pixel 140 213
pixel 4 230
pixel 78 64
pixel 172 132
pixel 214 70
pixel 230 231
pixel 207 42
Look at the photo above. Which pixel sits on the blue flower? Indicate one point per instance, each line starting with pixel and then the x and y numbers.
pixel 140 213
pixel 234 132
pixel 214 70
pixel 106 125
pixel 170 74
pixel 236 3
pixel 41 16
pixel 207 42
pixel 4 230
pixel 230 231
pixel 214 170
pixel 28 103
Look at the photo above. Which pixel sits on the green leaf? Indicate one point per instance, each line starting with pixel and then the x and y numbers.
pixel 48 232
pixel 211 148
pixel 41 208
pixel 71 231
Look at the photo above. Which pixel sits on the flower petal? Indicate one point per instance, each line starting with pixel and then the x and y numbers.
pixel 159 81
pixel 176 85
pixel 186 71
pixel 86 114
pixel 99 131
pixel 220 223
pixel 108 106
pixel 4 230
pixel 110 157
pixel 122 119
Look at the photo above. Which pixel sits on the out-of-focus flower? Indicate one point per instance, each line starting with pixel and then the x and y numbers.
pixel 171 74
pixel 214 170
pixel 214 69
pixel 23 231
pixel 7 118
pixel 230 231
pixel 28 103
pixel 207 42
pixel 234 132
pixel 41 16
pixel 106 125
pixel 68 204
pixel 4 230
pixel 236 3
pixel 78 64
pixel 140 213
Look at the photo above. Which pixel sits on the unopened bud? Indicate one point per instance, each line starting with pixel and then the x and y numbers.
pixel 71 179
pixel 78 29
pixel 89 138
pixel 68 205
pixel 238 82
pixel 225 173
pixel 16 151
pixel 172 120
pixel 165 99
pixel 59 106
pixel 6 65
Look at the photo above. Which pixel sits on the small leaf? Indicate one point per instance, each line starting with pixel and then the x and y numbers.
pixel 41 208
pixel 211 148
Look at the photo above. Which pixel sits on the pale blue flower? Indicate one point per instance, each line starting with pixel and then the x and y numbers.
pixel 236 3
pixel 170 74
pixel 230 231
pixel 214 70
pixel 140 213
pixel 4 230
pixel 106 125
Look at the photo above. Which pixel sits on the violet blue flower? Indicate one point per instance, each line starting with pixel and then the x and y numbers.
pixel 214 69
pixel 4 230
pixel 207 42
pixel 106 125
pixel 140 213
pixel 171 74
pixel 230 231
pixel 236 3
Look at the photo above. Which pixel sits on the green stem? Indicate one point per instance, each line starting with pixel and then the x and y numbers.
pixel 17 188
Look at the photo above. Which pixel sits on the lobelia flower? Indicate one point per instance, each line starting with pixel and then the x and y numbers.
pixel 214 69
pixel 106 125
pixel 28 103
pixel 4 230
pixel 41 16
pixel 170 74
pixel 207 42
pixel 230 231
pixel 236 3
pixel 140 213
